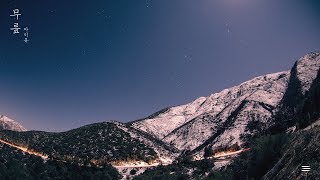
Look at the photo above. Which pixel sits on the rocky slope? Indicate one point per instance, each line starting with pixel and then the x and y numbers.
pixel 234 115
pixel 300 95
pixel 251 101
pixel 9 124
pixel 165 152
pixel 225 114
pixel 304 151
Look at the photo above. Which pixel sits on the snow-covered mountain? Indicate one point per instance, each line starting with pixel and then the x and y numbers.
pixel 301 96
pixel 188 126
pixel 9 124
pixel 232 115
pixel 228 120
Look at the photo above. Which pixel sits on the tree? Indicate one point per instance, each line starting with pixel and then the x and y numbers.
pixel 208 152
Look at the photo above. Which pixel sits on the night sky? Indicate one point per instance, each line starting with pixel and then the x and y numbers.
pixel 93 61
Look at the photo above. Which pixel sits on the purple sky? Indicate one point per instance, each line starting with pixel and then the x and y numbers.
pixel 122 60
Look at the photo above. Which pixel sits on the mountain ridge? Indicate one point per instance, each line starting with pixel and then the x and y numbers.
pixel 212 105
pixel 280 102
pixel 233 115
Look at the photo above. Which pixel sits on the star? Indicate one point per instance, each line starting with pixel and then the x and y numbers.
pixel 76 36
pixel 51 12
pixel 179 84
pixel 228 27
pixel 188 57
pixel 84 52
pixel 148 3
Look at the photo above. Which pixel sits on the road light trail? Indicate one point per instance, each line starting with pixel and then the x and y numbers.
pixel 24 149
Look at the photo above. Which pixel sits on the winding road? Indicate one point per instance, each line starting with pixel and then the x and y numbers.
pixel 221 156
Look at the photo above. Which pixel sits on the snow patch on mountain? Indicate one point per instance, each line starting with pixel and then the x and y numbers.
pixel 9 124
pixel 193 133
pixel 252 111
pixel 167 121
pixel 307 69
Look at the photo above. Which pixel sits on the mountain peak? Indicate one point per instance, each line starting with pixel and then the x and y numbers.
pixel 307 68
pixel 9 124
pixel 5 118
